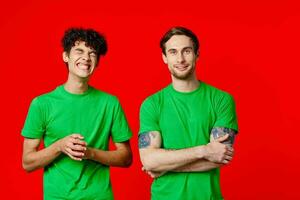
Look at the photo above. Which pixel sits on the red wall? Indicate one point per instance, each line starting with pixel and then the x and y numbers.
pixel 248 48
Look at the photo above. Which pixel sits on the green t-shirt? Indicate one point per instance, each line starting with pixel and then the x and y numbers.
pixel 186 120
pixel 95 115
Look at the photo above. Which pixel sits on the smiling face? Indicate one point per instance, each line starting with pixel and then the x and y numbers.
pixel 81 60
pixel 180 57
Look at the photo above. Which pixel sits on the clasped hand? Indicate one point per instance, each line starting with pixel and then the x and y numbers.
pixel 73 146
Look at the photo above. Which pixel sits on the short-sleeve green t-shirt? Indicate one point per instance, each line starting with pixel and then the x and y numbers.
pixel 94 114
pixel 186 120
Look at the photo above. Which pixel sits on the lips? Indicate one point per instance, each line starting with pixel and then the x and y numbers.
pixel 181 67
pixel 83 66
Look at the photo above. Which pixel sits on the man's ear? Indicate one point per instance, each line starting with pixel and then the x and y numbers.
pixel 164 58
pixel 197 55
pixel 65 56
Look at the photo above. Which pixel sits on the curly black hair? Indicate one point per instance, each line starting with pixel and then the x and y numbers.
pixel 91 38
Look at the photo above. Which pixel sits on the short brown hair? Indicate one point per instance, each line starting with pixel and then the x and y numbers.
pixel 179 31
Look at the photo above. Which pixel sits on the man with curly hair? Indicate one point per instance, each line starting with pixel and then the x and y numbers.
pixel 187 128
pixel 75 122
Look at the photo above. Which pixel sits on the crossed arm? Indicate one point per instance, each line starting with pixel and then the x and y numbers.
pixel 157 160
pixel 74 147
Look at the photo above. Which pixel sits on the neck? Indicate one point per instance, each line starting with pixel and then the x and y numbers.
pixel 76 85
pixel 186 85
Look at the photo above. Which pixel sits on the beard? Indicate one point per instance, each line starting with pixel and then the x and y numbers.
pixel 182 75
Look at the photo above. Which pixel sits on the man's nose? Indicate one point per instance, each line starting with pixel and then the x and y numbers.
pixel 180 58
pixel 86 57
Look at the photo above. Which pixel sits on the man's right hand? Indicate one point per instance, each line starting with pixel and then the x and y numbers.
pixel 73 146
pixel 218 152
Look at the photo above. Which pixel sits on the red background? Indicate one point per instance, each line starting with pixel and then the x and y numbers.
pixel 248 48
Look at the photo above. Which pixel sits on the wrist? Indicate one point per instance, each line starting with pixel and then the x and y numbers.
pixel 57 147
pixel 89 153
pixel 201 152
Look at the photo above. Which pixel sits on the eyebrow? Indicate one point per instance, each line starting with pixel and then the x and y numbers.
pixel 172 50
pixel 78 49
pixel 81 50
pixel 182 49
pixel 185 48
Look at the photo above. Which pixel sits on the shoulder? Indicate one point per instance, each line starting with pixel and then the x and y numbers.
pixel 103 95
pixel 157 97
pixel 216 93
pixel 44 98
pixel 105 99
pixel 218 97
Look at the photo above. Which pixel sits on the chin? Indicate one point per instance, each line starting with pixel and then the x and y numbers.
pixel 83 76
pixel 182 76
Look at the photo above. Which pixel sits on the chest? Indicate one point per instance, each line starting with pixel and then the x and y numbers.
pixel 91 119
pixel 186 122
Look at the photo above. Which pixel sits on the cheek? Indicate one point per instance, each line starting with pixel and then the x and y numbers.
pixel 95 62
pixel 191 59
pixel 171 60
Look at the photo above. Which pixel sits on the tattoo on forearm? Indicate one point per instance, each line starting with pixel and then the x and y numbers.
pixel 221 131
pixel 153 134
pixel 145 139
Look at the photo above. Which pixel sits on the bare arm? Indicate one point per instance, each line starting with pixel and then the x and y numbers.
pixel 121 157
pixel 204 165
pixel 198 166
pixel 156 159
pixel 33 158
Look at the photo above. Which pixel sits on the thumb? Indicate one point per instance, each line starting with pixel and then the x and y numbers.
pixel 222 138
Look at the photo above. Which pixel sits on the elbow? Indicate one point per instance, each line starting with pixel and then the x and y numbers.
pixel 151 160
pixel 127 161
pixel 27 167
pixel 149 164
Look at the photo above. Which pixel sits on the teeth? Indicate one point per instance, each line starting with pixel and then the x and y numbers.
pixel 83 66
pixel 182 68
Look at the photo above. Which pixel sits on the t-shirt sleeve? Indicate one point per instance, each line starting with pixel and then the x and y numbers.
pixel 226 114
pixel 34 126
pixel 120 128
pixel 148 117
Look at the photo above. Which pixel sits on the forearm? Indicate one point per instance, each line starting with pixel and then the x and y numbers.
pixel 198 166
pixel 158 159
pixel 38 159
pixel 110 158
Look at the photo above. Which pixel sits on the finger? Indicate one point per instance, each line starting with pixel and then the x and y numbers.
pixel 229 148
pixel 73 157
pixel 225 162
pixel 78 141
pixel 67 150
pixel 228 158
pixel 222 138
pixel 74 153
pixel 77 153
pixel 77 135
pixel 143 168
pixel 153 176
pixel 229 153
pixel 78 148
